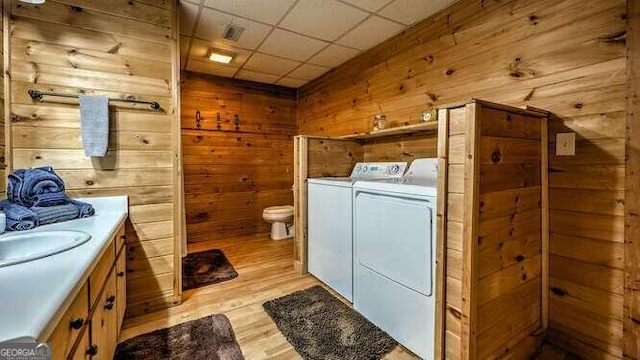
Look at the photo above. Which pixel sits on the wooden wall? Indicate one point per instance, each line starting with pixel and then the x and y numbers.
pixel 231 176
pixel 5 83
pixel 632 187
pixel 120 49
pixel 564 56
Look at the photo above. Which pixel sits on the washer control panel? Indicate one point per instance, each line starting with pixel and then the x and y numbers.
pixel 376 170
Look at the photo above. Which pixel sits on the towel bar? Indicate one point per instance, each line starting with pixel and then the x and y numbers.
pixel 38 95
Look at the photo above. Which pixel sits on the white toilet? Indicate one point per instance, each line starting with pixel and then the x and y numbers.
pixel 281 219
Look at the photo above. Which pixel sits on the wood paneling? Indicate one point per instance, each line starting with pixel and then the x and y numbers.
pixel 567 57
pixel 494 234
pixel 231 175
pixel 5 87
pixel 631 347
pixel 122 50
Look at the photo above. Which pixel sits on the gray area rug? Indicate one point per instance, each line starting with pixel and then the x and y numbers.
pixel 319 326
pixel 208 338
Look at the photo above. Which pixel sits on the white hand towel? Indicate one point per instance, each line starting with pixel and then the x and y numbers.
pixel 94 119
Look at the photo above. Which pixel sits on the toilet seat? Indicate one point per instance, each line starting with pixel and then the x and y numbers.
pixel 284 210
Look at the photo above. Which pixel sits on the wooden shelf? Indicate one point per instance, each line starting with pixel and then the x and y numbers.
pixel 401 130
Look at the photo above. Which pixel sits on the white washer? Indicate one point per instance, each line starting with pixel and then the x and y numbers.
pixel 330 235
pixel 394 260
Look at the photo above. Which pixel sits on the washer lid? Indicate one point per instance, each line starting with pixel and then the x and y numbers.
pixel 335 181
pixel 420 187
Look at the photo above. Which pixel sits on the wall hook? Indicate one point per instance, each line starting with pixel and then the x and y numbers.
pixel 219 125
pixel 236 120
pixel 198 119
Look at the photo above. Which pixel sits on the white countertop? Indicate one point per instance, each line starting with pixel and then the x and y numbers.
pixel 33 293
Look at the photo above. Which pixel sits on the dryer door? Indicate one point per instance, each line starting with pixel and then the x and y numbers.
pixel 393 238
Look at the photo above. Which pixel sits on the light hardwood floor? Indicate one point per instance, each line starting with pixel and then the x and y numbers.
pixel 265 271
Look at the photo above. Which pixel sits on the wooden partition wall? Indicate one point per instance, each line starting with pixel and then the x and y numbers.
pixel 232 172
pixel 119 49
pixel 492 168
pixel 492 270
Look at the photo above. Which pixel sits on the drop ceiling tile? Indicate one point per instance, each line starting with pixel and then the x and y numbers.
pixel 324 19
pixel 213 23
pixel 369 5
pixel 200 50
pixel 291 82
pixel 188 16
pixel 257 76
pixel 209 67
pixel 270 64
pixel 333 56
pixel 371 32
pixel 291 45
pixel 410 11
pixel 270 11
pixel 308 72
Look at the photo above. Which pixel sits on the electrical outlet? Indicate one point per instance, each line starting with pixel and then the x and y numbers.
pixel 565 144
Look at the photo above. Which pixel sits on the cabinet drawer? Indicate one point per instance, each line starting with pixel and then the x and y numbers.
pixel 70 325
pixel 121 286
pixel 104 335
pixel 100 273
pixel 120 239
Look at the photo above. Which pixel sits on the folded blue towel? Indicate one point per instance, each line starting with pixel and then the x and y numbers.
pixel 85 209
pixel 24 185
pixel 14 225
pixel 51 199
pixel 18 217
pixel 55 214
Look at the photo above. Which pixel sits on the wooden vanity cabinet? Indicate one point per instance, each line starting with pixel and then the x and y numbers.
pixel 90 327
pixel 121 286
pixel 71 324
pixel 104 322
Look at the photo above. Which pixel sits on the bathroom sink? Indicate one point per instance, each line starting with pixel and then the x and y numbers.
pixel 28 246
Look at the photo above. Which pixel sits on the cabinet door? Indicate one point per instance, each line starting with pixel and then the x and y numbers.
pixel 100 273
pixel 120 239
pixel 70 325
pixel 104 334
pixel 121 287
pixel 81 352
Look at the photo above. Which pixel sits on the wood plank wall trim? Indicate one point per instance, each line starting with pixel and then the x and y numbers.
pixel 470 226
pixel 544 204
pixel 632 187
pixel 441 236
pixel 6 93
pixel 300 203
pixel 179 223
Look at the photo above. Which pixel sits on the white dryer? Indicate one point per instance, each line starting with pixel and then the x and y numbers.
pixel 394 259
pixel 330 235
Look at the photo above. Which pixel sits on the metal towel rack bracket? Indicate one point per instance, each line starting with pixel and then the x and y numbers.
pixel 38 95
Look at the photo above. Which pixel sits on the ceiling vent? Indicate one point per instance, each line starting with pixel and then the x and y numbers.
pixel 232 32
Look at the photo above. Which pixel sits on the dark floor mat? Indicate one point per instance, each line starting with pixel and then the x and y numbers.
pixel 208 338
pixel 319 326
pixel 206 268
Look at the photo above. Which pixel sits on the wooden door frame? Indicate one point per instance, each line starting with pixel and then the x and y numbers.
pixel 632 187
pixel 178 193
